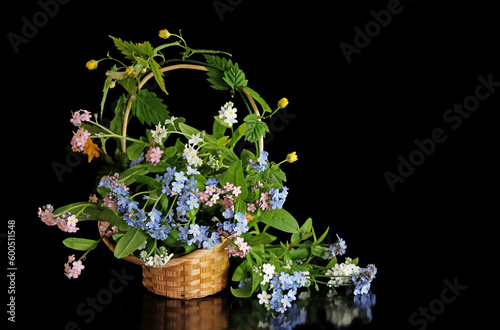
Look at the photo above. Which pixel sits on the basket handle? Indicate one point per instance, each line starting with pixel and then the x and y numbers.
pixel 175 67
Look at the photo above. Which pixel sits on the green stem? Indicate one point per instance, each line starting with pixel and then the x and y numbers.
pixel 92 248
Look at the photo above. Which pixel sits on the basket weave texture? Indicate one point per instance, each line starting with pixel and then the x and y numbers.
pixel 198 274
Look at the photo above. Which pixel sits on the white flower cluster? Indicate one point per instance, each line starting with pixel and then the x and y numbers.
pixel 160 259
pixel 228 113
pixel 161 132
pixel 190 153
pixel 341 274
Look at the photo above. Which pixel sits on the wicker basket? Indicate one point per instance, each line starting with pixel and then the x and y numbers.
pixel 198 274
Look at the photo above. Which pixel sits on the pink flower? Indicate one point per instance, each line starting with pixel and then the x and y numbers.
pixel 79 139
pixel 251 207
pixel 46 215
pixel 104 231
pixel 203 197
pixel 153 155
pixel 231 250
pixel 229 186
pixel 73 269
pixel 79 116
pixel 237 191
pixel 71 221
pixel 108 202
pixel 93 198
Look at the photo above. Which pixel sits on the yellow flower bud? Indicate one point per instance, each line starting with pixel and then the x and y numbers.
pixel 282 103
pixel 112 84
pixel 92 64
pixel 129 70
pixel 164 34
pixel 291 157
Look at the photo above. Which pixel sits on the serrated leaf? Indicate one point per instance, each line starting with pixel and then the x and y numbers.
pixel 105 89
pixel 216 67
pixel 259 99
pixel 132 50
pixel 255 128
pixel 116 124
pixel 148 108
pixel 235 78
pixel 155 68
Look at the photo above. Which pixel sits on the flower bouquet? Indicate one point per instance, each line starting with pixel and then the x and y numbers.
pixel 180 201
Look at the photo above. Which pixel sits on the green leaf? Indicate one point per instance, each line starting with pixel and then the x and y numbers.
pixel 128 48
pixel 234 174
pixel 217 66
pixel 148 108
pixel 276 176
pixel 235 78
pixel 114 219
pixel 80 244
pixel 134 150
pixel 332 262
pixel 238 134
pixel 188 129
pixel 132 239
pixel 155 68
pixel 106 89
pixel 321 238
pixel 149 181
pixel 116 124
pixel 263 238
pixel 305 228
pixel 280 219
pixel 255 128
pixel 243 292
pixel 74 208
pixel 259 99
pixel 241 272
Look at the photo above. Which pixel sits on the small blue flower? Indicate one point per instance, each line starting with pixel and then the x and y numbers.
pixel 120 190
pixel 193 202
pixel 211 182
pixel 192 171
pixel 228 214
pixel 123 204
pixel 154 215
pixel 286 301
pixel 177 186
pixel 141 215
pixel 209 243
pixel 190 184
pixel 137 161
pixel 133 205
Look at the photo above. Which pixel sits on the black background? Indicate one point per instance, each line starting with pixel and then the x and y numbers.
pixel 348 122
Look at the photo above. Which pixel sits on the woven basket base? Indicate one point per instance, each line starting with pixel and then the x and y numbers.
pixel 198 274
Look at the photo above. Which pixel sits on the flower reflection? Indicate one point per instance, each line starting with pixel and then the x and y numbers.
pixel 343 310
pixel 222 311
pixel 310 309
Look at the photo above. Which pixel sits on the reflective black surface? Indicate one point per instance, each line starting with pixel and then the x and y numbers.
pixel 222 312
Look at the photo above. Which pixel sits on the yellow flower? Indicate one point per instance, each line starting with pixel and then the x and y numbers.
pixel 291 157
pixel 91 149
pixel 112 84
pixel 282 103
pixel 92 64
pixel 164 34
pixel 129 70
